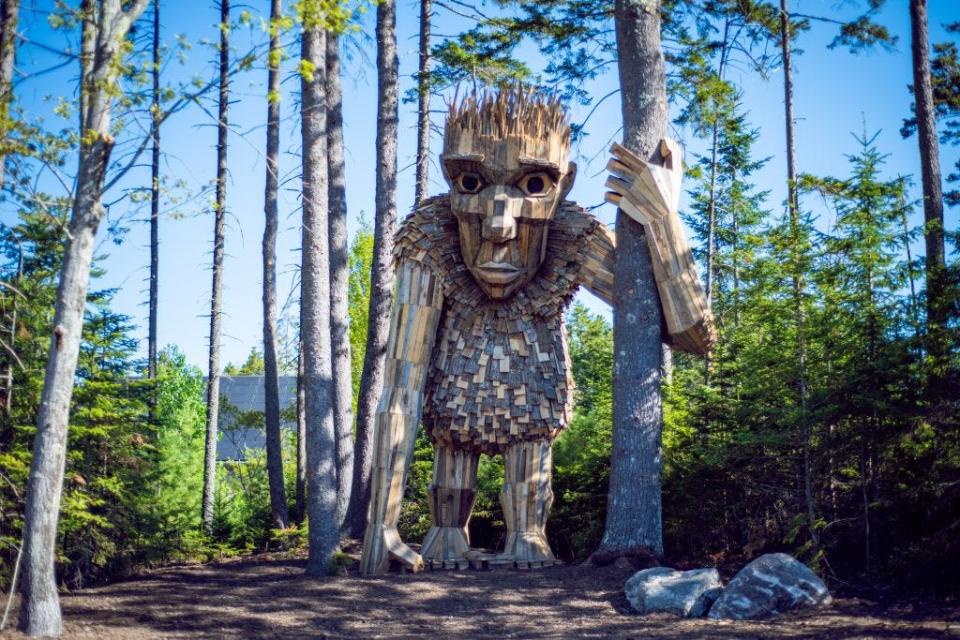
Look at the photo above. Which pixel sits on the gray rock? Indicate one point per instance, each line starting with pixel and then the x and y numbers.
pixel 685 593
pixel 771 584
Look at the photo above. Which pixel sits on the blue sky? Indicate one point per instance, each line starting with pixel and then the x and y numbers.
pixel 835 94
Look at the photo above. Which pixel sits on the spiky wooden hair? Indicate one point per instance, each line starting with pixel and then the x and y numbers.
pixel 509 110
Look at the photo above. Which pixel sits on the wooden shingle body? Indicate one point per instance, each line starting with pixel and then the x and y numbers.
pixel 500 372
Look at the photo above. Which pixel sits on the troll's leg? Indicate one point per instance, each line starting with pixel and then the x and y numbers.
pixel 526 501
pixel 452 494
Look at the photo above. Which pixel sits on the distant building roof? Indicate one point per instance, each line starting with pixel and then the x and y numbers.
pixel 246 394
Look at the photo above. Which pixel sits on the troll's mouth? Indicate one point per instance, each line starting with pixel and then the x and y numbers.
pixel 498 272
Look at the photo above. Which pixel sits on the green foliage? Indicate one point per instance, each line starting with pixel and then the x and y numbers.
pixel 740 441
pixel 415 511
pixel 177 474
pixel 740 444
pixel 241 512
pixel 133 480
pixel 360 261
pixel 252 366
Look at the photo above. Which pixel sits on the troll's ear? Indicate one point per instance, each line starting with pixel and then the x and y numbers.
pixel 566 182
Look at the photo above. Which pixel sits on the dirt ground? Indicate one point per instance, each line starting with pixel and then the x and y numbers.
pixel 269 597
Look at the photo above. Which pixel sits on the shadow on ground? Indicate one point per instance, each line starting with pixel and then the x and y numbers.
pixel 269 597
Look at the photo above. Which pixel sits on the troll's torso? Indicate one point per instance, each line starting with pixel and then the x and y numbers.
pixel 500 371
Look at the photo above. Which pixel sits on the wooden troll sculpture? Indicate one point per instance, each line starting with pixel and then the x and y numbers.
pixel 477 347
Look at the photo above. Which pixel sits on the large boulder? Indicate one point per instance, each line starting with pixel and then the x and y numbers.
pixel 685 593
pixel 771 584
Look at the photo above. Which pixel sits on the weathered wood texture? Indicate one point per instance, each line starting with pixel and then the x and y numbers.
pixel 452 496
pixel 650 194
pixel 526 501
pixel 413 327
pixel 500 371
pixel 484 373
pixel 477 344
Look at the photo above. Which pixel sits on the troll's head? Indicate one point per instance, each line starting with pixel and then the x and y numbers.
pixel 505 157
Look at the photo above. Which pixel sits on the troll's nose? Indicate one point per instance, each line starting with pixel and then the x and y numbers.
pixel 502 224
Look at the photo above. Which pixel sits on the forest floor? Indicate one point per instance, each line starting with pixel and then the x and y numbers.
pixel 267 596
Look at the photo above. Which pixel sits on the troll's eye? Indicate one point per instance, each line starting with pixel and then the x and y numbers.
pixel 469 183
pixel 536 184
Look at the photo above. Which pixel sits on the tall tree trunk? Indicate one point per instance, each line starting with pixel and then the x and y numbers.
pixel 938 343
pixel 423 105
pixel 271 375
pixel 634 518
pixel 154 198
pixel 339 282
pixel 213 379
pixel 315 300
pixel 793 207
pixel 40 608
pixel 9 18
pixel 381 276
pixel 301 483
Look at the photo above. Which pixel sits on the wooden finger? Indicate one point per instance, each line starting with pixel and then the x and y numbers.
pixel 617 184
pixel 619 169
pixel 627 157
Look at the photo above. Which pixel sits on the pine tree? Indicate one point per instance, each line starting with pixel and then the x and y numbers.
pixel 938 343
pixel 271 381
pixel 339 281
pixel 859 280
pixel 634 518
pixel 156 115
pixel 219 219
pixel 321 464
pixel 381 279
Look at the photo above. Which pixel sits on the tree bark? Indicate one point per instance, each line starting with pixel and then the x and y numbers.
pixel 301 483
pixel 213 379
pixel 271 375
pixel 154 199
pixel 423 106
pixel 40 607
pixel 381 277
pixel 324 534
pixel 88 45
pixel 634 519
pixel 938 342
pixel 9 19
pixel 339 282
